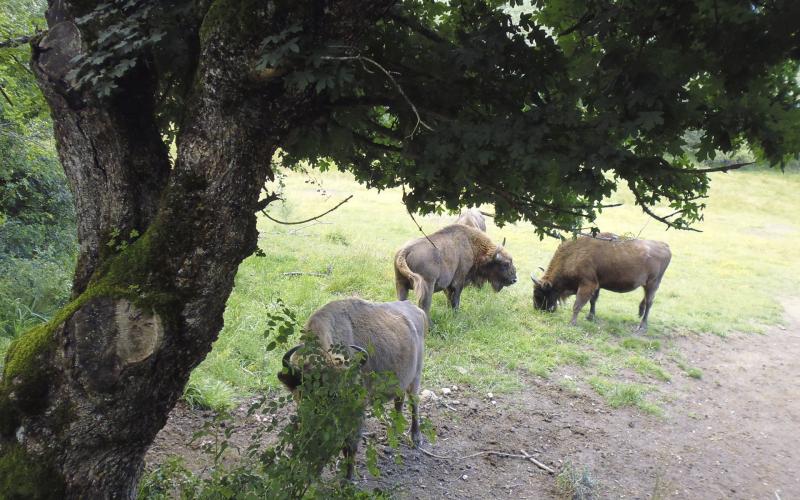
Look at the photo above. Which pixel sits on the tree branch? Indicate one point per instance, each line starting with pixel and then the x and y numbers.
pixel 664 220
pixel 262 204
pixel 396 14
pixel 17 41
pixel 391 78
pixel 578 25
pixel 724 168
pixel 307 220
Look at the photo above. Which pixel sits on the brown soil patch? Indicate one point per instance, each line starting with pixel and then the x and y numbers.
pixel 732 434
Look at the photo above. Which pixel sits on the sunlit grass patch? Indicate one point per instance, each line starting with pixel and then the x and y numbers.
pixel 647 367
pixel 619 394
pixel 721 280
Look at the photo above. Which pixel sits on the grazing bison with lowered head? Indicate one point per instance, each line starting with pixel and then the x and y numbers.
pixel 393 333
pixel 585 265
pixel 472 217
pixel 450 259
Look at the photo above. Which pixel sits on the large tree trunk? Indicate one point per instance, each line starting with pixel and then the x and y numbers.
pixel 83 397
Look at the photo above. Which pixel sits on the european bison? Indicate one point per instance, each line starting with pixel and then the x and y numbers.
pixel 585 265
pixel 392 332
pixel 472 217
pixel 450 259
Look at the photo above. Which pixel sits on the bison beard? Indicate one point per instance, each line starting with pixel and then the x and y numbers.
pixel 448 260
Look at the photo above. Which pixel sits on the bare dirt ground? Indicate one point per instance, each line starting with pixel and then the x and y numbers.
pixel 732 434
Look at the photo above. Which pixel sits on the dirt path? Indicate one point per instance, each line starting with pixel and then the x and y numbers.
pixel 733 434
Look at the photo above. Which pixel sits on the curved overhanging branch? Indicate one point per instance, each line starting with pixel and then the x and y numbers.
pixel 293 223
pixel 664 219
pixel 724 168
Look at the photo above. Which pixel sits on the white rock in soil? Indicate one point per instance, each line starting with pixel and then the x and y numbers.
pixel 465 477
pixel 490 395
pixel 446 390
pixel 428 394
pixel 455 388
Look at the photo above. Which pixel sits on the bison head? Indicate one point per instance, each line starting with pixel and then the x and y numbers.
pixel 293 366
pixel 499 270
pixel 545 296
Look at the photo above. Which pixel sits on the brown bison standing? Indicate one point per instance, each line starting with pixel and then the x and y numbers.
pixel 472 217
pixel 585 265
pixel 450 259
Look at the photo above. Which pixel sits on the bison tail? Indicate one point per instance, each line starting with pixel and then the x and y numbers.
pixel 404 273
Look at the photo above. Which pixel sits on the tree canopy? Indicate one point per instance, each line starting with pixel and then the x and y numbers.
pixel 539 108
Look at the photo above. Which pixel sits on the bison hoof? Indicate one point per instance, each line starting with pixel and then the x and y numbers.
pixel 590 317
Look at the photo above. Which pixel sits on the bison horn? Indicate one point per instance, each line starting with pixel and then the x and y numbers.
pixel 287 358
pixel 540 267
pixel 504 243
pixel 535 281
pixel 363 351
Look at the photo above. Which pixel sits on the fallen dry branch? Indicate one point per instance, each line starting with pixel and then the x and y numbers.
pixel 524 456
pixel 537 463
pixel 302 273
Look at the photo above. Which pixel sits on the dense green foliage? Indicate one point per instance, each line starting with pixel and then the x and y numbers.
pixel 539 108
pixel 37 225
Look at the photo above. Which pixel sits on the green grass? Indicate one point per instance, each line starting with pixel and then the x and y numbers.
pixel 721 280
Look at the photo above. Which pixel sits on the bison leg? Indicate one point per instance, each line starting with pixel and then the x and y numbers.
pixel 425 295
pixel 585 293
pixel 350 451
pixel 453 296
pixel 649 295
pixel 416 435
pixel 399 401
pixel 401 287
pixel 592 303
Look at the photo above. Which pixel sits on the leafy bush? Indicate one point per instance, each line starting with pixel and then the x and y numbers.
pixel 304 462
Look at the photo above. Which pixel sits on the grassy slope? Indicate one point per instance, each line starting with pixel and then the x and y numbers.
pixel 721 280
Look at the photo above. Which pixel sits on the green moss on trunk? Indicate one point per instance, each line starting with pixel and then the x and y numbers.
pixel 24 476
pixel 133 274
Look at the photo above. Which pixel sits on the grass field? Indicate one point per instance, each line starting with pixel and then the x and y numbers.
pixel 726 278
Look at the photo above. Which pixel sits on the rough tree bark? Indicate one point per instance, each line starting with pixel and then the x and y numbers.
pixel 82 397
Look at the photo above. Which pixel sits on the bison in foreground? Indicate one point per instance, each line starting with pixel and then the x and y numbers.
pixel 585 265
pixel 472 217
pixel 393 333
pixel 450 259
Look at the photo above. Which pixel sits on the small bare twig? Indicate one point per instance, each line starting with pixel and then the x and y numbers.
pixel 301 273
pixel 525 456
pixel 537 463
pixel 590 235
pixel 306 220
pixel 391 78
pixel 415 220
